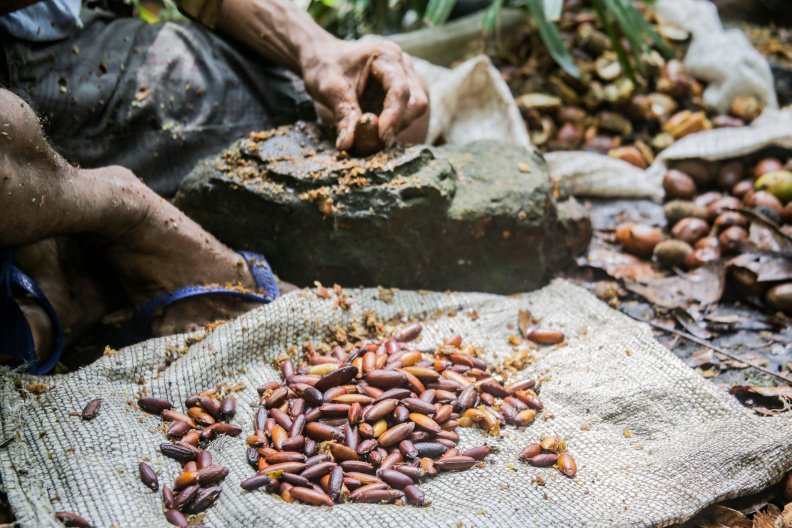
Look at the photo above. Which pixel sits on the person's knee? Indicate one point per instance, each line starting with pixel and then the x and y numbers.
pixel 21 136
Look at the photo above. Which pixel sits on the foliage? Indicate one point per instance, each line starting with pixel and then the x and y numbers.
pixel 620 18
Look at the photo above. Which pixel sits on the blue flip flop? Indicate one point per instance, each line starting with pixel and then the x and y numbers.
pixel 16 338
pixel 262 275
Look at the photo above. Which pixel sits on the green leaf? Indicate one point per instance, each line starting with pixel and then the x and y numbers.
pixel 647 28
pixel 553 9
pixel 551 37
pixel 438 11
pixel 621 53
pixel 491 17
pixel 626 25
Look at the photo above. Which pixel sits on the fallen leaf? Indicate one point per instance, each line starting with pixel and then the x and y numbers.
pixel 525 321
pixel 767 268
pixel 764 399
pixel 717 516
pixel 765 239
pixel 618 264
pixel 690 324
pixel 701 286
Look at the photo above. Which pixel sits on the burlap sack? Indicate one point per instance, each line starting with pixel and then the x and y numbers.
pixel 654 441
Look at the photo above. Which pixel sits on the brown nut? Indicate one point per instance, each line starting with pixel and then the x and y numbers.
pixel 638 239
pixel 730 174
pixel 567 465
pixel 711 242
pixel 672 253
pixel 367 140
pixel 701 171
pixel 699 257
pixel 730 218
pixel 741 188
pixel 678 185
pixel 766 200
pixel 746 107
pixel 690 230
pixel 676 210
pixel 629 154
pixel 767 165
pixel 779 298
pixel 732 239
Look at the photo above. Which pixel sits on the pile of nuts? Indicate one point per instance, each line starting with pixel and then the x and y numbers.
pixel 605 111
pixel 360 420
pixel 709 212
pixel 549 451
pixel 198 485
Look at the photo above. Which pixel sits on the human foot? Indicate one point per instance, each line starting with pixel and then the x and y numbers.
pixel 164 250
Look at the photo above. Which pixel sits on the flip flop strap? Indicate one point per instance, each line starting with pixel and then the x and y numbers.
pixel 259 269
pixel 17 336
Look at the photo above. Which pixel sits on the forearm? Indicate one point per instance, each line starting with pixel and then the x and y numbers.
pixel 277 29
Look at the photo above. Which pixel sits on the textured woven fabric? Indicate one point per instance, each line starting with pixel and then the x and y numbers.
pixel 654 442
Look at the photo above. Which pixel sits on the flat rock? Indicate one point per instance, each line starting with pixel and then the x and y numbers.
pixel 482 217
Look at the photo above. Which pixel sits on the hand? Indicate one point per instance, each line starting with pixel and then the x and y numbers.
pixel 335 73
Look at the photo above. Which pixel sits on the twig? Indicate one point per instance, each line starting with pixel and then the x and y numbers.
pixel 704 343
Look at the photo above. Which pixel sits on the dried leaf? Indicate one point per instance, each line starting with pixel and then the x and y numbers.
pixel 525 321
pixel 701 286
pixel 618 264
pixel 717 516
pixel 767 268
pixel 764 239
pixel 766 400
pixel 690 324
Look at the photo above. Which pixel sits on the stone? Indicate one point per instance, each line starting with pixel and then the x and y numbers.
pixel 480 217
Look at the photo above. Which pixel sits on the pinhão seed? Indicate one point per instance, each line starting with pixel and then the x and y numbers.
pixel 543 459
pixel 311 496
pixel 530 451
pixel 567 465
pixel 180 452
pixel 203 500
pixel 154 405
pixel 455 463
pixel 72 519
pixel 176 518
pixel 148 476
pixel 414 495
pixel 91 409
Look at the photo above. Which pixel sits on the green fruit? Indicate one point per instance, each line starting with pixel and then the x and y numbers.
pixel 777 183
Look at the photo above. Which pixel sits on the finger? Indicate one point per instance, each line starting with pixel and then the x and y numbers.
pixel 390 73
pixel 419 98
pixel 340 97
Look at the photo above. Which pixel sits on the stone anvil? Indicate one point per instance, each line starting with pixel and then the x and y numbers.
pixel 481 217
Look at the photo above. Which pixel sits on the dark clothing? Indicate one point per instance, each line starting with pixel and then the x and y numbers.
pixel 154 98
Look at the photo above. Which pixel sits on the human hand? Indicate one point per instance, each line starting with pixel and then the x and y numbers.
pixel 336 74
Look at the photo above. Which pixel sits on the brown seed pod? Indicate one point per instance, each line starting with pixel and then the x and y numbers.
pixel 730 174
pixel 767 165
pixel 154 405
pixel 779 298
pixel 72 519
pixel 567 465
pixel 638 239
pixel 91 409
pixel 530 451
pixel 176 518
pixel 678 185
pixel 396 434
pixel 367 140
pixel 701 256
pixel 543 459
pixel 148 476
pixel 545 336
pixel 672 253
pixel 732 239
pixel 690 229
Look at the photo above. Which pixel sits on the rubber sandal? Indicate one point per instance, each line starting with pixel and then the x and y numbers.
pixel 259 269
pixel 16 337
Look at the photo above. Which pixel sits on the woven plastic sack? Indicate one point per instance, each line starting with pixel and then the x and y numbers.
pixel 654 442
